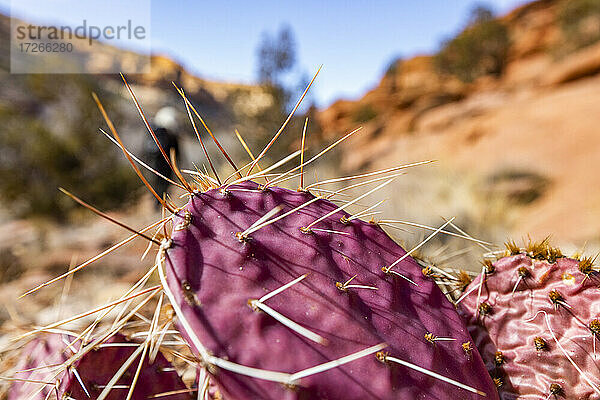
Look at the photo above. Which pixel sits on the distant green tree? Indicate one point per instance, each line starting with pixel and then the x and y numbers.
pixel 481 49
pixel 579 21
pixel 391 70
pixel 276 56
pixel 276 59
pixel 479 14
pixel 277 72
pixel 393 66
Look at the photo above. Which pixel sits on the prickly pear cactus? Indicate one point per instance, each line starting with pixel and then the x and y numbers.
pixel 284 296
pixel 87 377
pixel 535 319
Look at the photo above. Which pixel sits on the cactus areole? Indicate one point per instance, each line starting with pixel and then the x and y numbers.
pixel 542 324
pixel 293 309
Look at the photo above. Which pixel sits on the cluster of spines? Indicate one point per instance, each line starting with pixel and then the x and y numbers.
pixel 541 250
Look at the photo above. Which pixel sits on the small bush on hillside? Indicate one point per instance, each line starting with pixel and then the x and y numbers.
pixel 481 49
pixel 519 187
pixel 579 21
pixel 393 67
pixel 364 113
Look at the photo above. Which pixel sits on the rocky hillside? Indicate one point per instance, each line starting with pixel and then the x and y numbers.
pixel 50 124
pixel 49 138
pixel 517 149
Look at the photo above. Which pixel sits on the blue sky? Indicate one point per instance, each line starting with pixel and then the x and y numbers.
pixel 354 40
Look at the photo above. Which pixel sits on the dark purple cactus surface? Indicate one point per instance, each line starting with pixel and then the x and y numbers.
pixel 92 372
pixel 215 276
pixel 536 310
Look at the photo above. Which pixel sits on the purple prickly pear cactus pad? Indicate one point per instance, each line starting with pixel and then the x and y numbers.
pixel 536 322
pixel 216 277
pixel 86 377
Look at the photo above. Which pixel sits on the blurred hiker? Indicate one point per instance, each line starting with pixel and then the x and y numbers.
pixel 165 128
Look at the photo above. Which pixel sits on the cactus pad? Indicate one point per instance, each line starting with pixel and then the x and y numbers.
pixel 86 377
pixel 337 310
pixel 535 308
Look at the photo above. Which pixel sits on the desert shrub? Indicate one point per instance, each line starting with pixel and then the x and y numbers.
pixel 364 113
pixel 55 143
pixel 518 186
pixel 391 71
pixel 393 67
pixel 481 49
pixel 10 266
pixel 579 21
